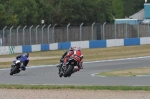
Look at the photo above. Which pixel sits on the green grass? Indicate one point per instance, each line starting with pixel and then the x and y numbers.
pixel 15 86
pixel 127 72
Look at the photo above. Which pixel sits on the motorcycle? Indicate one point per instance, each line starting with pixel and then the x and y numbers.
pixel 70 67
pixel 16 67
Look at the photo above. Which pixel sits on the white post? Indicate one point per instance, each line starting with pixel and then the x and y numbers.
pixel 30 33
pixel 67 32
pixel 81 31
pixel 42 33
pixel 92 30
pixel 104 30
pixel 126 30
pixel 148 30
pixel 23 35
pixel 36 34
pixel 10 35
pixel 17 33
pixel 48 32
pixel 4 34
pixel 53 36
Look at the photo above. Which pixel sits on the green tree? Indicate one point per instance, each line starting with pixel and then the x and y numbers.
pixel 44 11
pixel 103 11
pixel 86 11
pixel 31 12
pixel 117 8
pixel 26 10
pixel 2 16
pixel 7 16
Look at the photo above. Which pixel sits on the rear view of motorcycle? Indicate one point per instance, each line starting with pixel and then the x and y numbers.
pixel 70 67
pixel 16 67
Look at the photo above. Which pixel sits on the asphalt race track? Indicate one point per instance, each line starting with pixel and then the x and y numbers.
pixel 49 74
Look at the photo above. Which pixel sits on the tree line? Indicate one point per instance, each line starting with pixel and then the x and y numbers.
pixel 62 12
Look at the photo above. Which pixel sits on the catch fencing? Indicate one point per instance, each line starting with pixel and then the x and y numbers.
pixel 42 34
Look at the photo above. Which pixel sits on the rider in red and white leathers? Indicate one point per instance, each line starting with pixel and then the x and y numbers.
pixel 77 54
pixel 71 49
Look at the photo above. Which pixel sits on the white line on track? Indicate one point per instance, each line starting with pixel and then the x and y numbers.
pixel 118 59
pixel 32 67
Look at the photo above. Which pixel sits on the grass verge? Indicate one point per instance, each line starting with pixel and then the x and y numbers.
pixel 127 72
pixel 15 86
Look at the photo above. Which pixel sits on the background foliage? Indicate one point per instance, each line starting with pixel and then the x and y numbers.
pixel 62 12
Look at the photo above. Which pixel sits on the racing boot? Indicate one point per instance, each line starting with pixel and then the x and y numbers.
pixel 23 67
pixel 75 69
pixel 59 68
pixel 58 65
pixel 80 65
pixel 11 67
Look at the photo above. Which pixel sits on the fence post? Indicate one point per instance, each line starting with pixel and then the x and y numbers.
pixel 48 32
pixel 4 34
pixel 81 31
pixel 17 33
pixel 30 33
pixel 104 30
pixel 36 34
pixel 115 30
pixel 138 31
pixel 23 35
pixel 126 30
pixel 42 33
pixel 92 30
pixel 67 32
pixel 10 35
pixel 148 29
pixel 53 36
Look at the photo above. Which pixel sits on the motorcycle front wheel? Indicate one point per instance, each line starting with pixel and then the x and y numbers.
pixel 68 71
pixel 61 74
pixel 13 70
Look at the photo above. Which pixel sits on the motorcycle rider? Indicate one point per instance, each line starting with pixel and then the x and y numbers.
pixel 24 60
pixel 71 49
pixel 76 52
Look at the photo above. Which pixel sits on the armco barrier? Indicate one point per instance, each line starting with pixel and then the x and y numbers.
pixel 82 44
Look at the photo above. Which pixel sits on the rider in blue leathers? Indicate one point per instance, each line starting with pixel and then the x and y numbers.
pixel 24 60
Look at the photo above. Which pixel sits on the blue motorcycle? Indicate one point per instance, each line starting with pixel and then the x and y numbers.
pixel 16 67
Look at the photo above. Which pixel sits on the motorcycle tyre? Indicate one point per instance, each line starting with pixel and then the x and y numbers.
pixel 13 70
pixel 68 71
pixel 61 74
pixel 69 75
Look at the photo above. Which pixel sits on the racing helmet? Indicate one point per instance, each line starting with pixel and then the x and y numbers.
pixel 26 54
pixel 71 49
